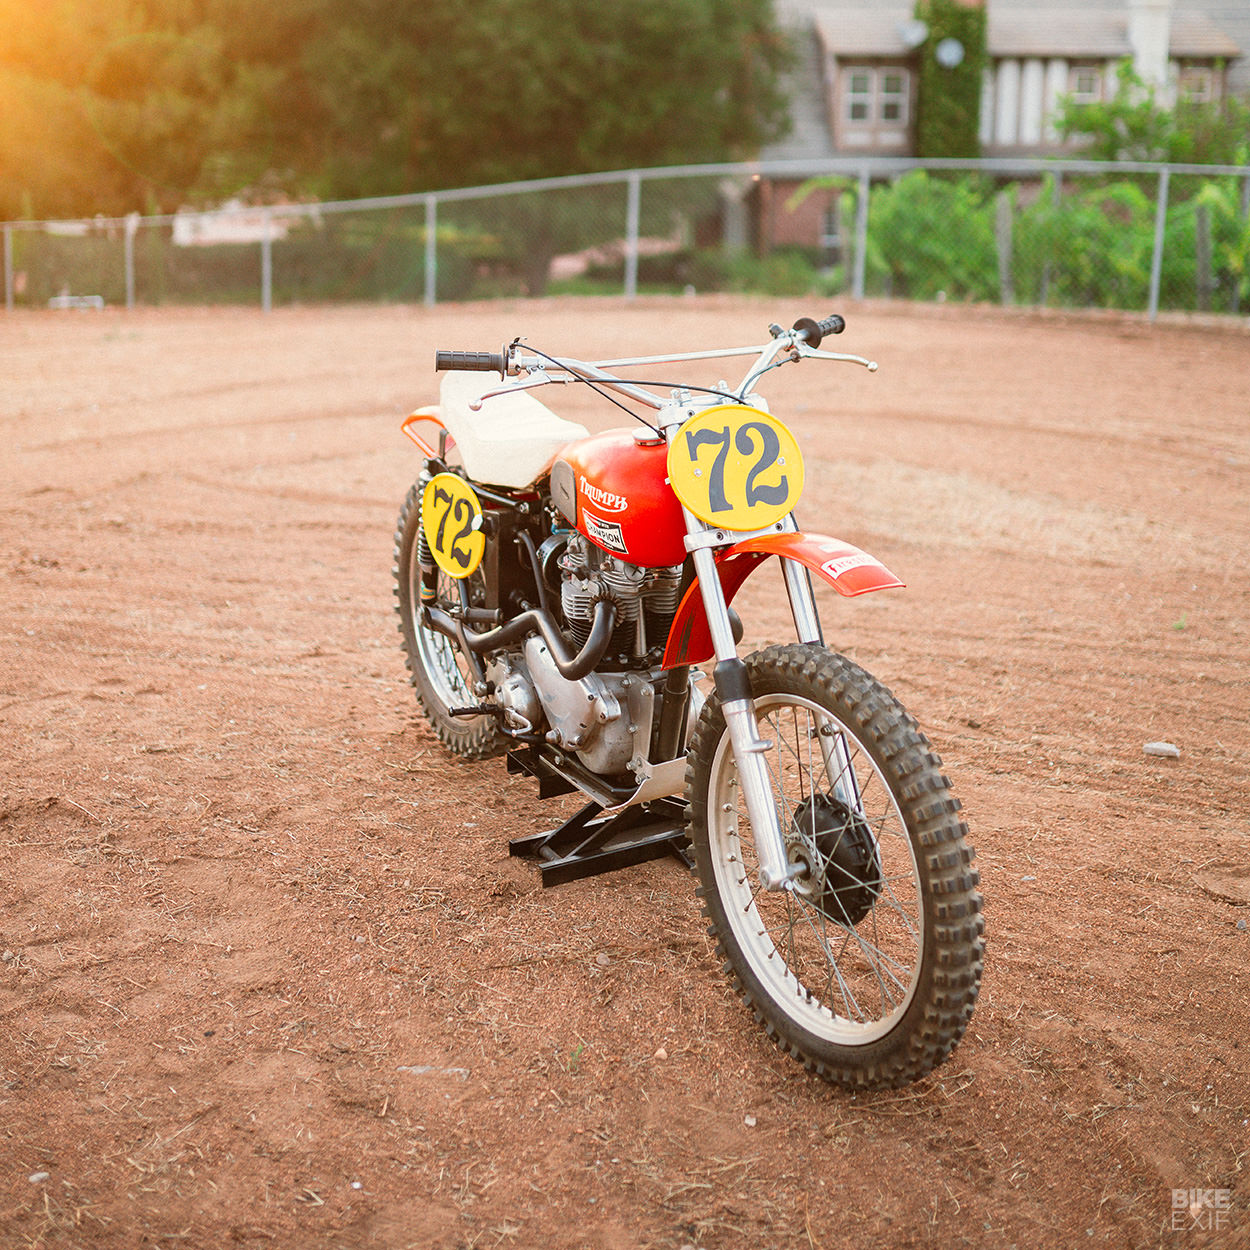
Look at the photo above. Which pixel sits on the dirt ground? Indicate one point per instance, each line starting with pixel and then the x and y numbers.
pixel 269 976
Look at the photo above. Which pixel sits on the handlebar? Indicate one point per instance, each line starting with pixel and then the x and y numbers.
pixel 816 330
pixel 805 329
pixel 472 362
pixel 801 341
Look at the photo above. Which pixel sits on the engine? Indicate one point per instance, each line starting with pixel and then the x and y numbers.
pixel 646 601
pixel 605 718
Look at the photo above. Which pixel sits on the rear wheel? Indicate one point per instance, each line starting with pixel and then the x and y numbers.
pixel 868 969
pixel 437 668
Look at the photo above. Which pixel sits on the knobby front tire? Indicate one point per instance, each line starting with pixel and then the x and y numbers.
pixel 868 970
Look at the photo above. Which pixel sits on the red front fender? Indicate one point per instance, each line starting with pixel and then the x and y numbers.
pixel 847 569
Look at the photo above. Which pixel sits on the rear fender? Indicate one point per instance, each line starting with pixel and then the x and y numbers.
pixel 429 416
pixel 847 569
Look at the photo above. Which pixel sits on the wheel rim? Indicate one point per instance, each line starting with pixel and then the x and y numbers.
pixel 846 985
pixel 445 668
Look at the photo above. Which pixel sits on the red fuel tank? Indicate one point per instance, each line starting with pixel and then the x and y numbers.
pixel 613 489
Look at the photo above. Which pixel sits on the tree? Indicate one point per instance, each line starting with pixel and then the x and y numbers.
pixel 107 106
pixel 145 103
pixel 482 91
pixel 50 158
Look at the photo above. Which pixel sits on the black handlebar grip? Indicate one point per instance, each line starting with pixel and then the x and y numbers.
pixel 472 362
pixel 814 331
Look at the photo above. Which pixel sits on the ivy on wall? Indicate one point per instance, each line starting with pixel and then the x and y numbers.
pixel 949 108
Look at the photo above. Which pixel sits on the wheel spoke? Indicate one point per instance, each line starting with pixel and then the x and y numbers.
pixel 834 970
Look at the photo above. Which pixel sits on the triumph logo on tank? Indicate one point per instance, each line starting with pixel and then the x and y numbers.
pixel 604 499
pixel 605 533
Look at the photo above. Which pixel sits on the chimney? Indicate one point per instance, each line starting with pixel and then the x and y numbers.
pixel 1149 31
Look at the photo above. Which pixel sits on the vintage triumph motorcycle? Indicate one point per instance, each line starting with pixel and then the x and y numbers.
pixel 556 592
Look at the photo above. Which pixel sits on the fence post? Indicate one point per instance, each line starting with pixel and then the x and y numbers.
pixel 1055 199
pixel 266 263
pixel 632 211
pixel 1245 216
pixel 8 268
pixel 132 228
pixel 431 250
pixel 1004 209
pixel 1156 260
pixel 861 234
pixel 1205 277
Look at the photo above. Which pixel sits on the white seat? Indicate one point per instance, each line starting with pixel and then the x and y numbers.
pixel 511 440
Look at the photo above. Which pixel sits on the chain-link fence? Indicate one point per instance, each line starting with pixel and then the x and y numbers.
pixel 1070 234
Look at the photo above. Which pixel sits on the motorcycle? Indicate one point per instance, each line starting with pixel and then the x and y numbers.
pixel 557 592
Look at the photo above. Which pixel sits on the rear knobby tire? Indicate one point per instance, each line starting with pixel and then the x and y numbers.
pixel 437 670
pixel 866 972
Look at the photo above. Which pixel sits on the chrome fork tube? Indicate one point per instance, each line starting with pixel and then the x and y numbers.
pixel 802 602
pixel 838 766
pixel 807 627
pixel 833 748
pixel 738 708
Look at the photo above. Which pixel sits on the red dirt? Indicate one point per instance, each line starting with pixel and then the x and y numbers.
pixel 270 977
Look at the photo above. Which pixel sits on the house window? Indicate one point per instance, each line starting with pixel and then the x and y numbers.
pixel 1196 84
pixel 877 95
pixel 830 236
pixel 893 96
pixel 1085 84
pixel 859 96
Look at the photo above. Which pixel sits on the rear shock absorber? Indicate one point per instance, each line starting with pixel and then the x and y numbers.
pixel 425 561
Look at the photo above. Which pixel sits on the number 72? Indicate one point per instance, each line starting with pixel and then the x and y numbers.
pixel 747 445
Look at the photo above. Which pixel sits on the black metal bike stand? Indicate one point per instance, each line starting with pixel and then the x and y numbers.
pixel 589 843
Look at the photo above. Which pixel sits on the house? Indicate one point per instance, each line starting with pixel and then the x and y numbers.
pixel 854 89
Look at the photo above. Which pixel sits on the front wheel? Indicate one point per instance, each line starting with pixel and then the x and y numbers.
pixel 867 969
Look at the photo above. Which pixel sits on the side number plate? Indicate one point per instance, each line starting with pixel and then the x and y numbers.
pixel 452 518
pixel 735 467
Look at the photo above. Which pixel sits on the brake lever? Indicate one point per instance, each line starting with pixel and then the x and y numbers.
pixel 536 378
pixel 814 353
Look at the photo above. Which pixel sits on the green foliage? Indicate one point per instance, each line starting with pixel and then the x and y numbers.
pixel 932 236
pixel 1090 248
pixel 948 119
pixel 1231 252
pixel 1087 244
pixel 109 106
pixel 1226 287
pixel 784 271
pixel 1134 126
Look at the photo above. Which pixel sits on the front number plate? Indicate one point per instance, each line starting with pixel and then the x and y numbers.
pixel 736 467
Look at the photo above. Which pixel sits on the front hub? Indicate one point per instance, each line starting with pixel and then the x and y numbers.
pixel 834 850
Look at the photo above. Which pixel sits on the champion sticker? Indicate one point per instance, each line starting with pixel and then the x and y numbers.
pixel 605 533
pixel 844 564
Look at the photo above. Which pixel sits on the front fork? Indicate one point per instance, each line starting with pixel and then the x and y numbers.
pixel 738 707
pixel 734 690
pixel 833 746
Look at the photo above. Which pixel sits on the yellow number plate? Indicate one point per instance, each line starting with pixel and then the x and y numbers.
pixel 736 467
pixel 452 518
